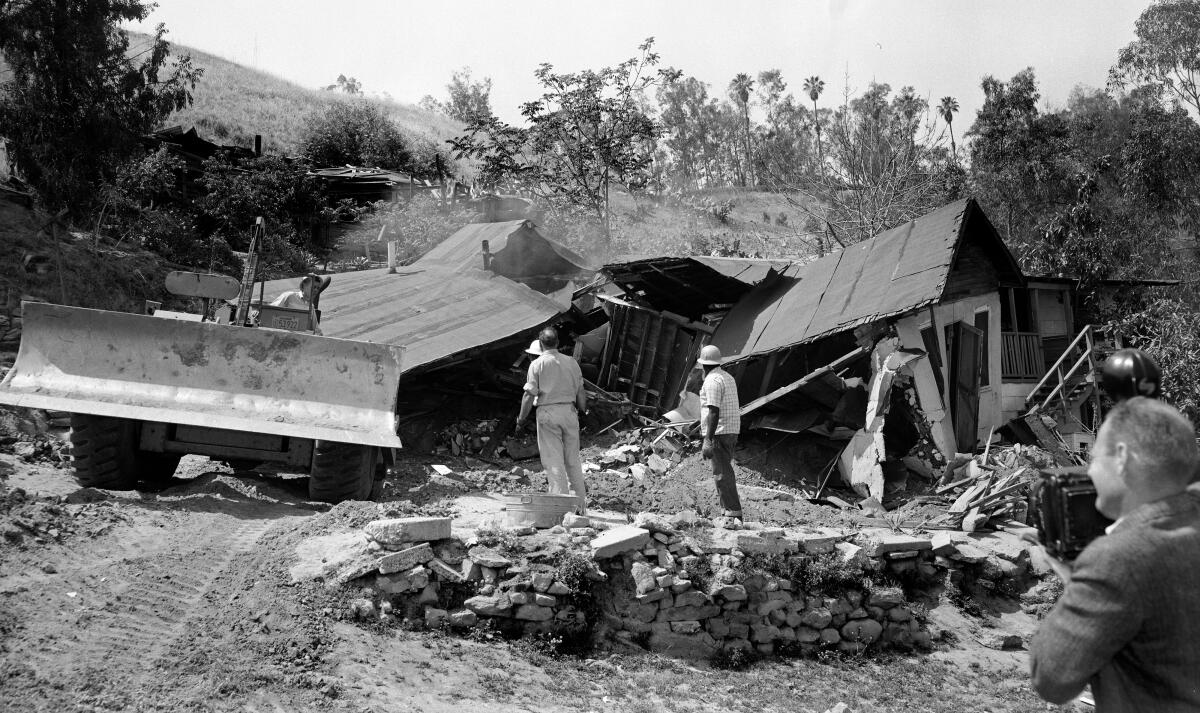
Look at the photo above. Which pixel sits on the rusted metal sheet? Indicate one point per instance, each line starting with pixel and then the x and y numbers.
pixel 433 312
pixel 205 374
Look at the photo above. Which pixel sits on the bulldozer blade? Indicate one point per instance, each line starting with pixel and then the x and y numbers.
pixel 205 374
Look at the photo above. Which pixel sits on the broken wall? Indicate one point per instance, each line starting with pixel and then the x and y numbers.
pixel 648 355
pixel 935 399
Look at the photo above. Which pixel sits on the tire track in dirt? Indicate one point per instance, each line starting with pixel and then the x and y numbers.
pixel 136 605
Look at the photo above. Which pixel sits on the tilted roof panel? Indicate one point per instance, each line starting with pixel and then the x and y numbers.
pixel 901 269
pixel 432 312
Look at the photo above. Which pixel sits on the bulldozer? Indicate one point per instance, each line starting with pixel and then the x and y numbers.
pixel 143 390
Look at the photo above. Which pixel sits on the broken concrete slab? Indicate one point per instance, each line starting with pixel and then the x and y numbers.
pixel 943 543
pixel 814 542
pixel 400 531
pixel 876 543
pixel 619 539
pixel 406 559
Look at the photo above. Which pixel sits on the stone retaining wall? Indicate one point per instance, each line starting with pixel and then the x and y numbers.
pixel 672 586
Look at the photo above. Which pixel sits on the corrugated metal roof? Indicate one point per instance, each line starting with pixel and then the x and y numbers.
pixel 506 241
pixel 743 269
pixel 899 270
pixel 433 312
pixel 689 285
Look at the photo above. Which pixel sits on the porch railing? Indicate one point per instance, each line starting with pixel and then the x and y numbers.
pixel 1021 356
pixel 1077 363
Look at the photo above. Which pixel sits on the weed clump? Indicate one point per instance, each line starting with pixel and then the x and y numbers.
pixel 733 659
pixel 504 540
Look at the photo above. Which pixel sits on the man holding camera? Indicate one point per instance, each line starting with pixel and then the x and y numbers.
pixel 1126 621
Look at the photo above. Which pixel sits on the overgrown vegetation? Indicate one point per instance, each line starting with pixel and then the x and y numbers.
pixel 823 572
pixel 76 101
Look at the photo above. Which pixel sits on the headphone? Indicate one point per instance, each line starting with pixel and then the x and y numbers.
pixel 1130 372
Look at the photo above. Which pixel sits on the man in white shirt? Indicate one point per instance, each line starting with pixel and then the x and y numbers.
pixel 555 386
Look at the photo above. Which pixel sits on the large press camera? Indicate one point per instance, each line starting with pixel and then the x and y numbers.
pixel 1062 503
pixel 1062 506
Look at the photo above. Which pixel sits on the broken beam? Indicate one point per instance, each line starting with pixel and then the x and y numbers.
pixel 785 390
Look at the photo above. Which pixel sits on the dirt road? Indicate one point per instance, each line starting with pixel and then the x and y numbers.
pixel 181 600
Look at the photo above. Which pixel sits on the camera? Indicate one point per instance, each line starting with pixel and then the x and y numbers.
pixel 1062 505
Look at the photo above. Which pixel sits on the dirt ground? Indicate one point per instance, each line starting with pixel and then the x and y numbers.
pixel 181 600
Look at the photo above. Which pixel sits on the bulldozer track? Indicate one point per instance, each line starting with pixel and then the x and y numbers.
pixel 134 608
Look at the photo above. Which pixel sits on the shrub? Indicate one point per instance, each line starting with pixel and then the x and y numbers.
pixel 1169 331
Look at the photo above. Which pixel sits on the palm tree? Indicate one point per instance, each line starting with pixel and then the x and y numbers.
pixel 739 92
pixel 947 109
pixel 814 86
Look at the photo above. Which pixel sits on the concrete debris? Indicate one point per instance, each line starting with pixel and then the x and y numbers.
pixel 399 532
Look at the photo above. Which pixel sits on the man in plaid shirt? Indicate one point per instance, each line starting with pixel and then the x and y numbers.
pixel 720 423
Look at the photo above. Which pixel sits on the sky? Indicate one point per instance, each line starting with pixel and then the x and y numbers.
pixel 409 49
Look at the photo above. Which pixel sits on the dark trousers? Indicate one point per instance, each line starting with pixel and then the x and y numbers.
pixel 722 463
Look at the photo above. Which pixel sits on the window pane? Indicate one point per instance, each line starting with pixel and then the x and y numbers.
pixel 981 323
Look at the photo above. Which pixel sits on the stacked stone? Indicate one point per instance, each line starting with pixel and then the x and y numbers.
pixel 530 595
pixel 652 598
pixel 421 557
pixel 762 612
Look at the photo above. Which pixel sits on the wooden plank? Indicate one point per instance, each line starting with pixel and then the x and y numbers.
pixel 947 488
pixel 637 362
pixel 682 362
pixel 785 390
pixel 662 364
pixel 996 495
pixel 963 503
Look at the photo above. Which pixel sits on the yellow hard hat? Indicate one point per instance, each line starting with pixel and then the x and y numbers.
pixel 710 356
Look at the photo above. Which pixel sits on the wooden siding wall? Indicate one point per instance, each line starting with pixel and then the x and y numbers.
pixel 648 357
pixel 971 274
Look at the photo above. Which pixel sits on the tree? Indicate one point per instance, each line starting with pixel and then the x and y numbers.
pixel 468 101
pixel 947 109
pixel 355 133
pixel 882 167
pixel 739 93
pixel 1022 163
pixel 77 101
pixel 1166 52
pixel 587 133
pixel 282 192
pixel 685 115
pixel 349 85
pixel 1105 188
pixel 814 86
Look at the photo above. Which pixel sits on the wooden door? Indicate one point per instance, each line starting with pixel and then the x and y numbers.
pixel 966 352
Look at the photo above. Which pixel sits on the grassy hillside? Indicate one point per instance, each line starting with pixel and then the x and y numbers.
pixel 233 103
pixel 759 223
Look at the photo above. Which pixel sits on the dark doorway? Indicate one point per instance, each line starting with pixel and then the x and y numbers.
pixel 965 345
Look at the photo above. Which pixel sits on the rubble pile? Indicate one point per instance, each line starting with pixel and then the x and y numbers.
pixel 991 488
pixel 674 584
pixel 35 435
pixel 27 520
pixel 641 454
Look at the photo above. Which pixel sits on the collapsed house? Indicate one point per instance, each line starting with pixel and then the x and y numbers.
pixel 463 312
pixel 817 347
